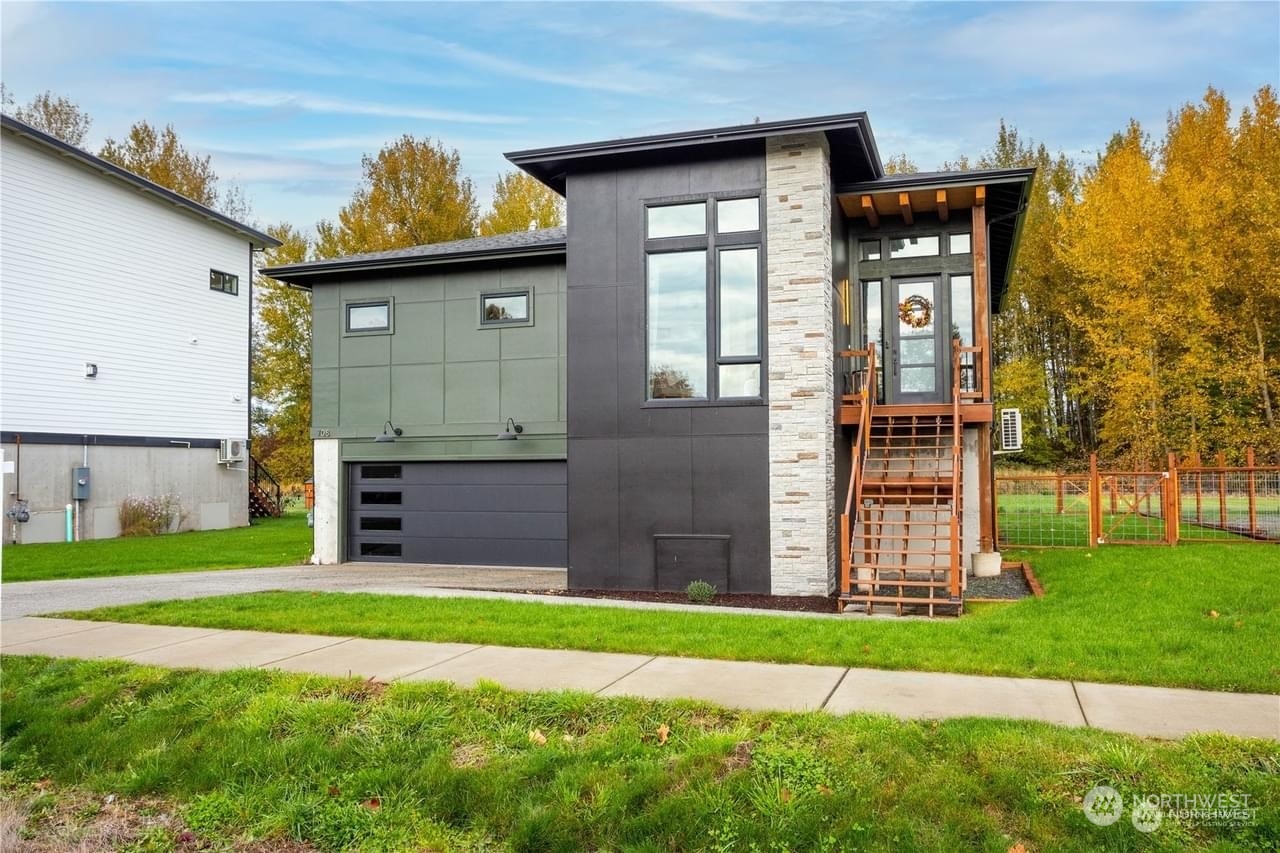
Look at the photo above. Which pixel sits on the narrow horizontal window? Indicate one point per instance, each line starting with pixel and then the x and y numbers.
pixel 958 244
pixel 676 220
pixel 498 309
pixel 677 315
pixel 914 247
pixel 224 282
pixel 379 523
pixel 379 549
pixel 737 214
pixel 380 472
pixel 380 497
pixel 369 316
pixel 868 250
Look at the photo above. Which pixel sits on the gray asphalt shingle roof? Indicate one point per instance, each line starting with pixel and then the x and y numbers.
pixel 543 240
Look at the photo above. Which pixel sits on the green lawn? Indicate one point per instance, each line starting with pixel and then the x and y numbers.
pixel 268 761
pixel 1202 616
pixel 283 541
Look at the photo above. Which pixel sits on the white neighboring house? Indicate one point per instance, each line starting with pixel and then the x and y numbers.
pixel 124 344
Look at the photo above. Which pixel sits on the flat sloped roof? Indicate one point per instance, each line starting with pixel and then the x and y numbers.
pixel 543 241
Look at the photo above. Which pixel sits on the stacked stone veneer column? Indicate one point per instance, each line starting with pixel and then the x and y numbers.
pixel 801 369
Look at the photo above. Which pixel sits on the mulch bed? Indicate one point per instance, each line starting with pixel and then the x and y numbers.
pixel 1014 581
pixel 808 603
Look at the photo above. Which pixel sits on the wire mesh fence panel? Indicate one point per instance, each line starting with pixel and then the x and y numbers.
pixel 1042 510
pixel 1132 506
pixel 1217 504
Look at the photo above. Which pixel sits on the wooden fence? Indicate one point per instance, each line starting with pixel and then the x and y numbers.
pixel 1186 502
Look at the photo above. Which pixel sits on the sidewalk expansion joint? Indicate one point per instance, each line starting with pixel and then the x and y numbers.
pixel 338 642
pixel 822 705
pixel 1080 705
pixel 627 674
pixel 439 662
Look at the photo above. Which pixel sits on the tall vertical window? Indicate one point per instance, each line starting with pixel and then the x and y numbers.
pixel 678 325
pixel 703 300
pixel 962 327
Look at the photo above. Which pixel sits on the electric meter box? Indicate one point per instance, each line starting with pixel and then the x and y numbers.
pixel 80 484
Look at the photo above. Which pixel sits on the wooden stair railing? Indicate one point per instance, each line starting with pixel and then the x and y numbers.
pixel 266 498
pixel 904 504
pixel 861 446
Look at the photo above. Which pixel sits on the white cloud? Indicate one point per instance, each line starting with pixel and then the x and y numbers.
pixel 319 104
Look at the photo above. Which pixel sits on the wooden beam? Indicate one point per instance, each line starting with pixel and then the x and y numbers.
pixel 904 204
pixel 979 196
pixel 869 208
pixel 944 212
pixel 982 340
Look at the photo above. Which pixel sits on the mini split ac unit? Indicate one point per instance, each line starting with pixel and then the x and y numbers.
pixel 232 450
pixel 1010 430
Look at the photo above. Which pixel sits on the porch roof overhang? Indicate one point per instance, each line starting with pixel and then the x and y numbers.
pixel 1003 191
pixel 854 156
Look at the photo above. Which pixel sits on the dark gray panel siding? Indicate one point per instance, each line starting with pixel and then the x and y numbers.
pixel 469 513
pixel 637 472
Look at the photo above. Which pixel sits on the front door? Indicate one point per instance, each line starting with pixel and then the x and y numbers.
pixel 915 363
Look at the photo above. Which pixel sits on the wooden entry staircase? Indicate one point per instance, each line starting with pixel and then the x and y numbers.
pixel 900 531
pixel 266 499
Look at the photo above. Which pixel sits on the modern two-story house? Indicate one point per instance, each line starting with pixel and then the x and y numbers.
pixel 124 353
pixel 750 358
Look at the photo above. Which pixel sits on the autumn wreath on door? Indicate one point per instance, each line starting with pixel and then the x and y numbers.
pixel 916 311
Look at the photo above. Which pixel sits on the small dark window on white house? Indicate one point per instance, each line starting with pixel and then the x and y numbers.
pixel 504 309
pixel 224 282
pixel 371 316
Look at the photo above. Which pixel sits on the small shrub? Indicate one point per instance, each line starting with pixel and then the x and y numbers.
pixel 149 516
pixel 700 592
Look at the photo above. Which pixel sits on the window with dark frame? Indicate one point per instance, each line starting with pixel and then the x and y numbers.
pixel 504 309
pixel 224 282
pixel 369 316
pixel 703 276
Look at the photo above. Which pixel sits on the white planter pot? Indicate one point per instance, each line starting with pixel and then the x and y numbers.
pixel 986 565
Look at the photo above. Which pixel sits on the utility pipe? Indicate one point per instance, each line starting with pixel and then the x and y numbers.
pixel 69 531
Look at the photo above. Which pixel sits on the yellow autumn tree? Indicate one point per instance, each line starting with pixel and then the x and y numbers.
pixel 521 203
pixel 282 363
pixel 412 193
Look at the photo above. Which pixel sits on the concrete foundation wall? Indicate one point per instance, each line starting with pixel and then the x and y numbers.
pixel 330 485
pixel 211 496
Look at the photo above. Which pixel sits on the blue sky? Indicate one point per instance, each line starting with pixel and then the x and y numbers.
pixel 286 97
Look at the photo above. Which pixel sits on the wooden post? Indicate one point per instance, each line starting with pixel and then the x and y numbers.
pixel 1222 491
pixel 1253 492
pixel 846 544
pixel 982 293
pixel 1095 502
pixel 1058 496
pixel 1195 460
pixel 1173 494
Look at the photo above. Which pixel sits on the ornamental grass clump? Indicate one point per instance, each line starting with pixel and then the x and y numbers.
pixel 149 516
pixel 700 592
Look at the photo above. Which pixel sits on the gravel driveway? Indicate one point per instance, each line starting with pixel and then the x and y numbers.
pixel 37 597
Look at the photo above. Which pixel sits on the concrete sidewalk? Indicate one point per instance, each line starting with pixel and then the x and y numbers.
pixel 1149 711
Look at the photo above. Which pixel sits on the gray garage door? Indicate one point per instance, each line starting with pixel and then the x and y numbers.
pixel 467 513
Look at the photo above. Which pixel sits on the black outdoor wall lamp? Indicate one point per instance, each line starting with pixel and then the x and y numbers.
pixel 389 433
pixel 511 432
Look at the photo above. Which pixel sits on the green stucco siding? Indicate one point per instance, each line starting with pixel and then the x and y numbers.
pixel 446 381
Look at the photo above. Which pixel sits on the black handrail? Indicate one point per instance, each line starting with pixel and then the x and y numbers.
pixel 258 473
